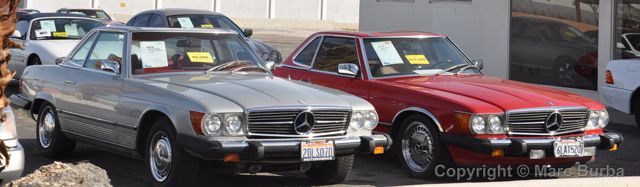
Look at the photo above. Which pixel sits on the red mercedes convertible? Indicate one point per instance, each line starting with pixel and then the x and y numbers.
pixel 441 109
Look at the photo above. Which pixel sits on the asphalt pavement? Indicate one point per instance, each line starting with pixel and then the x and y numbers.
pixel 368 170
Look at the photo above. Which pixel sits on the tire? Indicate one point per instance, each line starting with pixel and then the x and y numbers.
pixel 34 61
pixel 564 72
pixel 331 172
pixel 182 168
pixel 430 145
pixel 51 142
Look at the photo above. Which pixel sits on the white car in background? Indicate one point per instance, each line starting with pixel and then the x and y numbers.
pixel 9 135
pixel 622 89
pixel 47 37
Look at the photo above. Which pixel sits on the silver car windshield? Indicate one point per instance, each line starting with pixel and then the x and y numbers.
pixel 62 28
pixel 414 56
pixel 163 52
pixel 202 21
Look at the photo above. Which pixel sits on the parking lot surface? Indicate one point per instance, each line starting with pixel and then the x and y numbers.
pixel 368 170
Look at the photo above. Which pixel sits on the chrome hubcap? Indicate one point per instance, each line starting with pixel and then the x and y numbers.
pixel 46 127
pixel 567 73
pixel 160 156
pixel 417 147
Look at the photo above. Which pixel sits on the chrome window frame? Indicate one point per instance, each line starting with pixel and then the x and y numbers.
pixel 304 46
pixel 315 56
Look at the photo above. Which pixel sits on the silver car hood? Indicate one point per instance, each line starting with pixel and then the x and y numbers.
pixel 253 90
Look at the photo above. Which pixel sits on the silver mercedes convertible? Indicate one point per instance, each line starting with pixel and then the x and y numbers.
pixel 183 98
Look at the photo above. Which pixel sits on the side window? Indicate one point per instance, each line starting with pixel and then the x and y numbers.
pixel 22 27
pixel 107 52
pixel 156 21
pixel 78 58
pixel 130 22
pixel 306 55
pixel 334 51
pixel 141 21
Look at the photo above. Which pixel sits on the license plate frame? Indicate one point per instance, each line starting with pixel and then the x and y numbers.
pixel 568 148
pixel 317 150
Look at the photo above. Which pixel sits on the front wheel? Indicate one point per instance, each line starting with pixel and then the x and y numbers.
pixel 331 172
pixel 420 149
pixel 167 163
pixel 50 139
pixel 637 112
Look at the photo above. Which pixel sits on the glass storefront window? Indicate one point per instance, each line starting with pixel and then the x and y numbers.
pixel 627 30
pixel 554 42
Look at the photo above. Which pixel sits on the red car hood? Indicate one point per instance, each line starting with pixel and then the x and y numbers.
pixel 505 94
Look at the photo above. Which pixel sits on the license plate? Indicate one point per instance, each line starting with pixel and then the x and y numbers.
pixel 568 148
pixel 317 151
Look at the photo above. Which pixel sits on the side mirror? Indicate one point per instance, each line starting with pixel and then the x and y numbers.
pixel 16 34
pixel 619 45
pixel 60 60
pixel 271 65
pixel 348 69
pixel 248 32
pixel 478 63
pixel 111 66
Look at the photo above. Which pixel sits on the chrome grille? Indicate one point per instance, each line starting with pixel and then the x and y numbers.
pixel 279 123
pixel 533 122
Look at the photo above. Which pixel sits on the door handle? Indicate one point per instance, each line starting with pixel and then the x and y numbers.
pixel 70 83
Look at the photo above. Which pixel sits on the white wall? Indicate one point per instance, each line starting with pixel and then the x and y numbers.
pixel 200 4
pixel 53 5
pixel 480 28
pixel 341 11
pixel 244 8
pixel 296 9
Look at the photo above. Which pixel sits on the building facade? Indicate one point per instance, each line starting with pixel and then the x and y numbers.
pixel 559 43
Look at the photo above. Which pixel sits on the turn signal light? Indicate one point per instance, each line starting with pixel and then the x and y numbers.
pixel 497 153
pixel 232 157
pixel 608 77
pixel 196 119
pixel 614 147
pixel 378 150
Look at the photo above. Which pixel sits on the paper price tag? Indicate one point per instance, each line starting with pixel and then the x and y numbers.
pixel 185 22
pixel 48 25
pixel 153 54
pixel 387 53
pixel 200 57
pixel 60 35
pixel 41 33
pixel 417 59
pixel 208 26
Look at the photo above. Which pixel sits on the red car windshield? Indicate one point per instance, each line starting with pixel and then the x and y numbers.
pixel 413 56
pixel 161 52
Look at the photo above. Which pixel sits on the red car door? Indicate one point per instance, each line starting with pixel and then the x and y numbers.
pixel 332 51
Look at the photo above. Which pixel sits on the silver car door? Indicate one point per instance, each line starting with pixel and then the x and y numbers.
pixel 18 56
pixel 98 86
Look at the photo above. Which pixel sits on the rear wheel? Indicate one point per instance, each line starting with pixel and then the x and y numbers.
pixel 420 149
pixel 167 163
pixel 331 172
pixel 50 139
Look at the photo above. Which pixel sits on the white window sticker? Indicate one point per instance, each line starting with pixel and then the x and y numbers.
pixel 71 29
pixel 185 22
pixel 41 33
pixel 48 25
pixel 387 53
pixel 153 54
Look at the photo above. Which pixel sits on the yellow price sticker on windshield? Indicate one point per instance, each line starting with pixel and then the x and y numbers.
pixel 200 57
pixel 208 26
pixel 59 34
pixel 417 59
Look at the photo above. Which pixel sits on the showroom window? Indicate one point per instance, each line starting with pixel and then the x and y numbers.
pixel 627 30
pixel 554 42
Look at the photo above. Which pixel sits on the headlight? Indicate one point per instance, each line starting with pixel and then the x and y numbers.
pixel 597 119
pixel 276 57
pixel 370 120
pixel 495 124
pixel 478 124
pixel 357 120
pixel 211 124
pixel 592 121
pixel 9 125
pixel 363 121
pixel 265 56
pixel 233 124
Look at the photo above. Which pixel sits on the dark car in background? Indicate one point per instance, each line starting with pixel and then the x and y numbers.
pixel 191 18
pixel 545 50
pixel 94 13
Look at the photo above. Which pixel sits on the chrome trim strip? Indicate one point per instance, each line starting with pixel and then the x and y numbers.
pixel 297 135
pixel 546 134
pixel 336 121
pixel 275 123
pixel 525 123
pixel 421 110
pixel 97 119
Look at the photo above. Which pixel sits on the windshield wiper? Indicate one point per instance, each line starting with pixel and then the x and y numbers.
pixel 236 64
pixel 452 68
